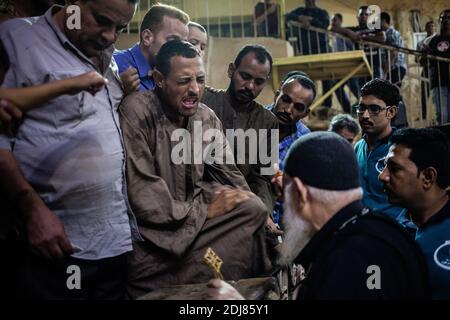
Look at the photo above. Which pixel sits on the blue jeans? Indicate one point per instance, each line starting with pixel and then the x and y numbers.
pixel 441 100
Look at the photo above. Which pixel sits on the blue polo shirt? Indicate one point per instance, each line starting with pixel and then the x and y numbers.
pixel 434 239
pixel 370 166
pixel 133 57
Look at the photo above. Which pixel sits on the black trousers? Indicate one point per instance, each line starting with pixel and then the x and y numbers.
pixel 43 279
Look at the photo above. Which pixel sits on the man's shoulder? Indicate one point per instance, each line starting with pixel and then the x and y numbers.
pixel 139 104
pixel 213 96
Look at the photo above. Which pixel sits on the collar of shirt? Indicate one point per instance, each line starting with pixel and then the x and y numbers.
pixel 324 235
pixel 405 220
pixel 380 142
pixel 106 54
pixel 142 65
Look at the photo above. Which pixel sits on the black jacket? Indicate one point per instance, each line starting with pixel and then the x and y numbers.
pixel 339 260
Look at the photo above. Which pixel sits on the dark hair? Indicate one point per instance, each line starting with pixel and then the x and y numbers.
pixel 291 74
pixel 305 81
pixel 174 48
pixel 155 15
pixel 197 25
pixel 344 121
pixel 4 59
pixel 382 89
pixel 261 54
pixel 363 8
pixel 339 16
pixel 429 22
pixel 429 148
pixel 386 17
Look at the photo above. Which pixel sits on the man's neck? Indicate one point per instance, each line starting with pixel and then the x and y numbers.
pixel 445 33
pixel 59 18
pixel 428 206
pixel 146 54
pixel 373 138
pixel 176 119
pixel 325 213
pixel 26 8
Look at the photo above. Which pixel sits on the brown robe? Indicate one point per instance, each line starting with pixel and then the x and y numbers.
pixel 254 116
pixel 170 202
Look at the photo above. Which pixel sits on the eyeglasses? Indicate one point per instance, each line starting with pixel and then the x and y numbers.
pixel 374 109
pixel 299 107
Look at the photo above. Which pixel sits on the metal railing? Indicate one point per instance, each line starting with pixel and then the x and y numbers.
pixel 225 18
pixel 385 61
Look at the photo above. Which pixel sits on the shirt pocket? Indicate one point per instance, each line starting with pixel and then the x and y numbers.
pixel 67 109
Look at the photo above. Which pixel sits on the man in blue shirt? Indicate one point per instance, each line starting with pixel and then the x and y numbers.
pixel 292 105
pixel 416 176
pixel 377 106
pixel 160 24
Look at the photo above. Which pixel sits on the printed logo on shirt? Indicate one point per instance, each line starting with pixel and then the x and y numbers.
pixel 442 255
pixel 379 166
pixel 443 46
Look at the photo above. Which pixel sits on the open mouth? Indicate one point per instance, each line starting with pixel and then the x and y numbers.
pixel 190 102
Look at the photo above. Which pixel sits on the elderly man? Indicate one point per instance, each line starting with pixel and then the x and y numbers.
pixel 347 251
pixel 416 176
pixel 184 205
pixel 64 169
pixel 161 23
pixel 237 109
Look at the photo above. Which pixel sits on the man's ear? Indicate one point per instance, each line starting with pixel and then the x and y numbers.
pixel 391 112
pixel 301 193
pixel 147 37
pixel 429 177
pixel 231 70
pixel 159 78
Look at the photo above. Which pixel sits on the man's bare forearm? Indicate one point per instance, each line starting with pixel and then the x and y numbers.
pixel 14 184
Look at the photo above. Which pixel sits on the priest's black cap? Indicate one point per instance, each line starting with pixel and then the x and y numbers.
pixel 323 160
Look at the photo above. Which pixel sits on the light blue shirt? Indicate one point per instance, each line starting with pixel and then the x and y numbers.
pixel 70 149
pixel 434 240
pixel 370 166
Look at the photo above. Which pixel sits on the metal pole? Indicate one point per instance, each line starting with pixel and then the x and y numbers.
pixel 282 19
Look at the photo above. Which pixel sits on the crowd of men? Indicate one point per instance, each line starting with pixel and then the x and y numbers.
pixel 373 35
pixel 120 163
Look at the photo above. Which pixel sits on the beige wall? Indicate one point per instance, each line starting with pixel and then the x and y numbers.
pixel 222 51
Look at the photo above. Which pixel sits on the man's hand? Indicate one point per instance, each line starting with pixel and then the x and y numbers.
pixel 277 182
pixel 305 21
pixel 91 82
pixel 9 114
pixel 130 80
pixel 224 200
pixel 45 230
pixel 220 290
pixel 273 228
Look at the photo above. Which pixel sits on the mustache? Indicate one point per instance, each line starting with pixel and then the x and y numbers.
pixel 283 116
pixel 246 93
pixel 366 122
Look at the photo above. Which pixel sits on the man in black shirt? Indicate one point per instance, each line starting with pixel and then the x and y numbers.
pixel 364 32
pixel 347 251
pixel 439 45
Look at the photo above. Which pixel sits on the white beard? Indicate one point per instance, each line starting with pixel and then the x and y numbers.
pixel 297 233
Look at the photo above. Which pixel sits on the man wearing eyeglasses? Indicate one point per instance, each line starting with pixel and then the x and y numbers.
pixel 377 106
